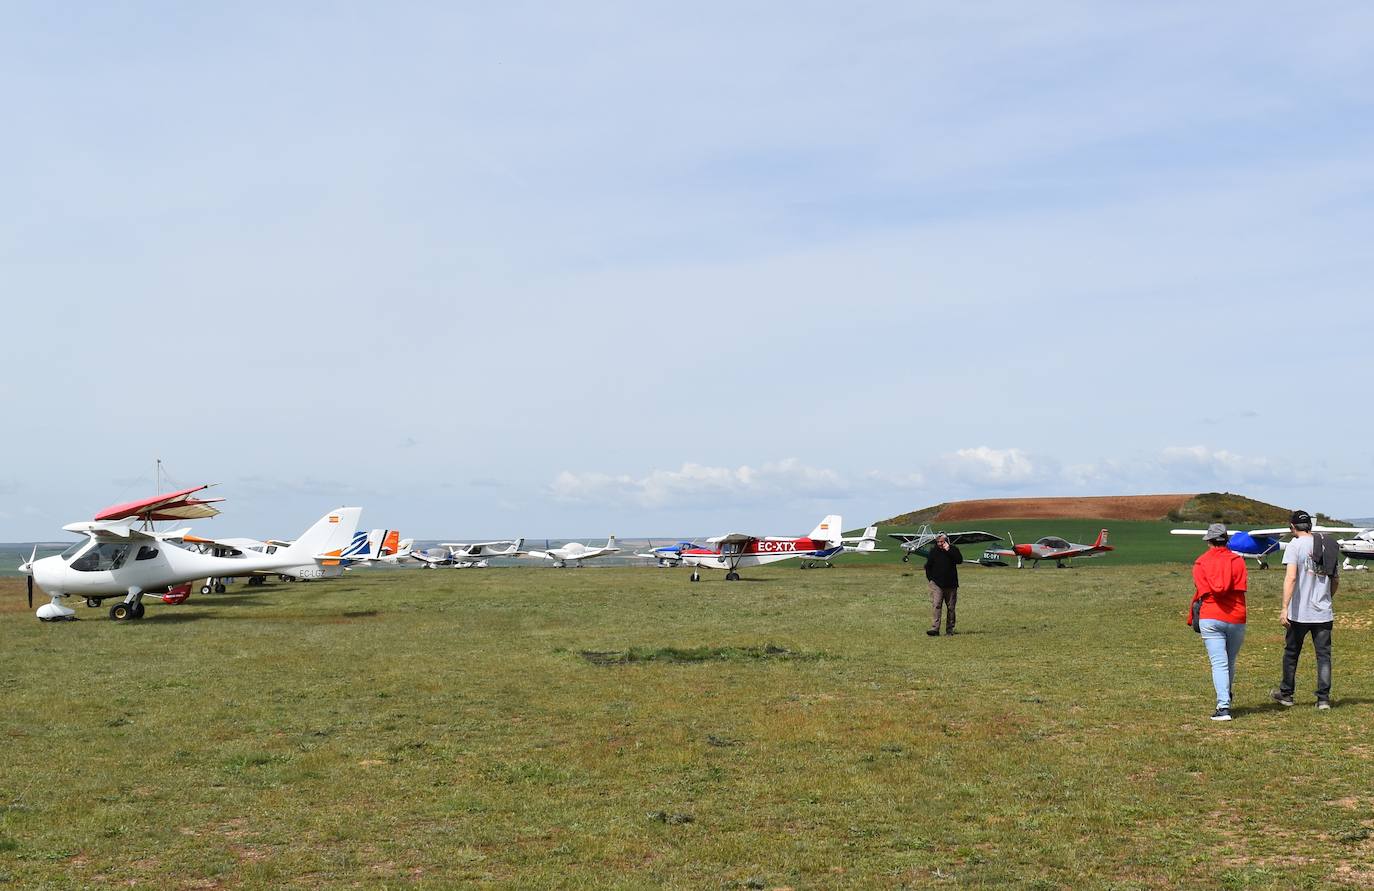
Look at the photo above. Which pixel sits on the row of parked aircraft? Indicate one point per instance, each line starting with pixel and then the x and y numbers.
pixel 123 557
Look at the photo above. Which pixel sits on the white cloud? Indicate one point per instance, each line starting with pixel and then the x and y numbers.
pixel 994 468
pixel 692 484
pixel 1199 463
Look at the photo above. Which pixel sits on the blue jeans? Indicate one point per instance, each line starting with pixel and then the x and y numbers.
pixel 1222 640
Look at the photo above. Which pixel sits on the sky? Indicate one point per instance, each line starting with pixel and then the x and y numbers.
pixel 555 270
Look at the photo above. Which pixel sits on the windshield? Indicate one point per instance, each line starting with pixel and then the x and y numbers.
pixel 72 551
pixel 102 558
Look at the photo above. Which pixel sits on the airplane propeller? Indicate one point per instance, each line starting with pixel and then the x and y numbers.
pixel 27 569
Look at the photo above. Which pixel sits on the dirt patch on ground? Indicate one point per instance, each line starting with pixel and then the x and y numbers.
pixel 1111 507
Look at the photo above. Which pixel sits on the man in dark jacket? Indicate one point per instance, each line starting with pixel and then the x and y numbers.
pixel 942 571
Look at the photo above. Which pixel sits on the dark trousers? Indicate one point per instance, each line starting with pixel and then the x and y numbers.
pixel 943 597
pixel 1292 648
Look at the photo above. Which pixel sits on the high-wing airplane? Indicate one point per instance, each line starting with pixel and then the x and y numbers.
pixel 1051 547
pixel 737 549
pixel 117 560
pixel 574 553
pixel 1257 544
pixel 918 543
pixel 668 555
pixel 462 555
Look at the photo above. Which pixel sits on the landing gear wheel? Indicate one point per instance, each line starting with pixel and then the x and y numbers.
pixel 732 576
pixel 120 611
pixel 138 610
pixel 696 576
pixel 205 589
pixel 906 558
pixel 220 588
pixel 94 602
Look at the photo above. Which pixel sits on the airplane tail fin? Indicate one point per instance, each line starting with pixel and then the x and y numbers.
pixel 333 534
pixel 404 546
pixel 373 548
pixel 1101 539
pixel 391 543
pixel 830 530
pixel 870 540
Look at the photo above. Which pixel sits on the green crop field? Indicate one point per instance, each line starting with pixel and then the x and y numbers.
pixel 624 728
pixel 1136 541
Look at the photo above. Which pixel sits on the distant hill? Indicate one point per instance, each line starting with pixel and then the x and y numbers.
pixel 1207 507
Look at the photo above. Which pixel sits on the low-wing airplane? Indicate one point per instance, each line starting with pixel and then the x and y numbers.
pixel 330 565
pixel 575 553
pixel 737 549
pixel 461 555
pixel 1051 547
pixel 384 546
pixel 1361 548
pixel 1257 544
pixel 858 544
pixel 668 555
pixel 117 560
pixel 919 543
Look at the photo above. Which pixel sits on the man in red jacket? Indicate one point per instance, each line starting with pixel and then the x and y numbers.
pixel 1220 581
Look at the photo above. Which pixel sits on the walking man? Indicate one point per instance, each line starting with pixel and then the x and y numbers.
pixel 942 571
pixel 1307 592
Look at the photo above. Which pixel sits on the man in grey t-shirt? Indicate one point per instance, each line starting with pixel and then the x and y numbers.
pixel 1306 610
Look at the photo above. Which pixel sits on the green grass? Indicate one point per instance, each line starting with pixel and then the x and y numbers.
pixel 1136 541
pixel 435 729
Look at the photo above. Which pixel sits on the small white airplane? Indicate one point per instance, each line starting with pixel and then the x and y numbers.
pixel 467 555
pixel 575 553
pixel 117 560
pixel 1361 548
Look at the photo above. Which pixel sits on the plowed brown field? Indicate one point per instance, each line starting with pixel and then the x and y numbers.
pixel 1116 507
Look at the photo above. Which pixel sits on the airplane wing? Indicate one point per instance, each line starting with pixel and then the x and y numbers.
pixel 172 506
pixel 110 531
pixel 905 537
pixel 971 537
pixel 476 544
pixel 731 538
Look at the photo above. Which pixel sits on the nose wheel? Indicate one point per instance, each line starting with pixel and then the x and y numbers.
pixel 732 576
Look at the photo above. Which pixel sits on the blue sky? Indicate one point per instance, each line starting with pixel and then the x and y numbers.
pixel 556 270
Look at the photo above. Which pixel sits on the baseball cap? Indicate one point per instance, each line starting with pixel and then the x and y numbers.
pixel 1216 532
pixel 1300 518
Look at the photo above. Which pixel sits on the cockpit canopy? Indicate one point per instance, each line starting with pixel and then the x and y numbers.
pixel 1054 544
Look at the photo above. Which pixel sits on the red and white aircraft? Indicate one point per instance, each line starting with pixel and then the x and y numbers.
pixel 1051 547
pixel 737 549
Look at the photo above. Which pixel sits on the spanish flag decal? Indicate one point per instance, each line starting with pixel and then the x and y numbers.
pixel 334 518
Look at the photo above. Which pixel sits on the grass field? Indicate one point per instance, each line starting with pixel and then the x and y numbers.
pixel 624 728
pixel 1136 541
